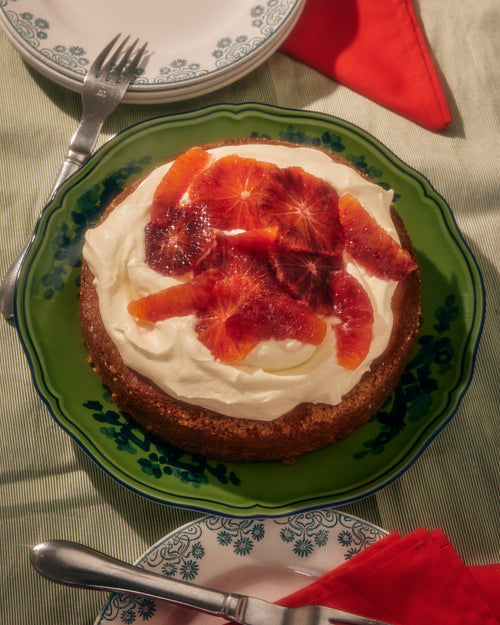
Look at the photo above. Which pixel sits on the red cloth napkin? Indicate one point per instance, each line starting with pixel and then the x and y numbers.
pixel 417 579
pixel 376 48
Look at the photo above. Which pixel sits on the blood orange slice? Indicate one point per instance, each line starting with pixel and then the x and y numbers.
pixel 370 245
pixel 177 246
pixel 230 259
pixel 232 190
pixel 305 209
pixel 245 278
pixel 176 182
pixel 354 310
pixel 176 301
pixel 226 297
pixel 259 239
pixel 276 316
pixel 307 277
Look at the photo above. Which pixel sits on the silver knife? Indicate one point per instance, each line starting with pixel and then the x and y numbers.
pixel 77 565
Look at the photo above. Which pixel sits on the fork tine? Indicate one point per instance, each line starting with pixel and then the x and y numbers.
pixel 118 69
pixel 110 67
pixel 134 63
pixel 121 66
pixel 97 64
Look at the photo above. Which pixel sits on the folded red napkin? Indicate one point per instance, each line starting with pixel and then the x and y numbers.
pixel 417 579
pixel 376 48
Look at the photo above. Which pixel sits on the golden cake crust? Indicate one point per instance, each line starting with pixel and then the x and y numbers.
pixel 305 428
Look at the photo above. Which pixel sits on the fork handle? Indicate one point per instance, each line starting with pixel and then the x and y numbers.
pixel 80 147
pixel 77 565
pixel 72 163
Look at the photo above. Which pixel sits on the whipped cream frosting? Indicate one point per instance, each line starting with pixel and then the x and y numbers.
pixel 277 375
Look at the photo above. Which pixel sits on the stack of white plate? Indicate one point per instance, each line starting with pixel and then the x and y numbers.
pixel 196 46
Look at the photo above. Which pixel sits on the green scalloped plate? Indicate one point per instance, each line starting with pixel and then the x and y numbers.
pixel 376 454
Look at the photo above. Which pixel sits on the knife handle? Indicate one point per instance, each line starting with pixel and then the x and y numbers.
pixel 77 565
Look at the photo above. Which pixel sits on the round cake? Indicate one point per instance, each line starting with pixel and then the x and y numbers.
pixel 250 300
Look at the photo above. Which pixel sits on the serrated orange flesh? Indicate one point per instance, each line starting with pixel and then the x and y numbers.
pixel 227 296
pixel 177 246
pixel 232 189
pixel 176 181
pixel 370 245
pixel 258 239
pixel 305 209
pixel 307 277
pixel 176 301
pixel 353 307
pixel 276 316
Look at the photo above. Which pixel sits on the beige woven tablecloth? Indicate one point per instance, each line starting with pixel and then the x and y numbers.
pixel 49 486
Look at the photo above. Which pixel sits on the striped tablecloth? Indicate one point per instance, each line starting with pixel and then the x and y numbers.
pixel 50 488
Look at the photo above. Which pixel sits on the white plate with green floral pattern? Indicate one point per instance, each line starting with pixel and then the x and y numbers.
pixel 267 558
pixel 196 47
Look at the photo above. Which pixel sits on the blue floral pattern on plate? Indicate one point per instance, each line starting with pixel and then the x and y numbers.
pixel 201 551
pixel 224 41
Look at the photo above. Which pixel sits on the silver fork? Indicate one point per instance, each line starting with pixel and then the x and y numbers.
pixel 76 565
pixel 103 89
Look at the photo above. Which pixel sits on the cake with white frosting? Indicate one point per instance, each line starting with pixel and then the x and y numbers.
pixel 250 300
